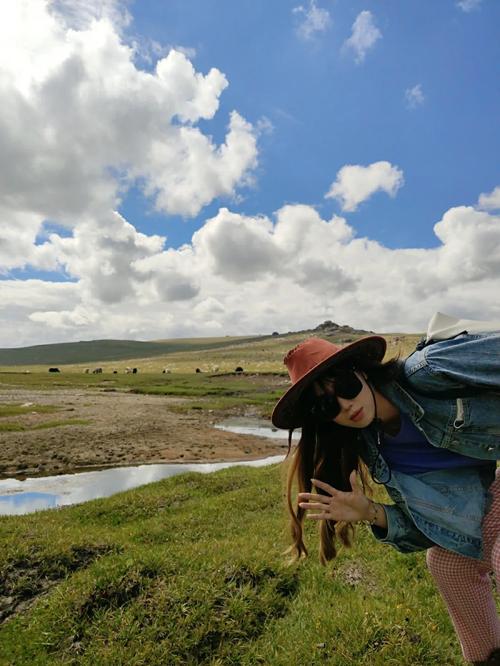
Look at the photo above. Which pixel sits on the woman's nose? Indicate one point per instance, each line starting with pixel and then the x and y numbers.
pixel 344 403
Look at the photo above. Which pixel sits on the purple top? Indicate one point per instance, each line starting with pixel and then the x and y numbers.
pixel 409 452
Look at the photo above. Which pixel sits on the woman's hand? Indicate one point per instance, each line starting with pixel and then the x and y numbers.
pixel 337 505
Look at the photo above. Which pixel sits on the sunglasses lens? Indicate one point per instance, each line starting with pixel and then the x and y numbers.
pixel 326 407
pixel 346 384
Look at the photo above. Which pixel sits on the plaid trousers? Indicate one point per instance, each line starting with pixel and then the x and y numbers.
pixel 466 586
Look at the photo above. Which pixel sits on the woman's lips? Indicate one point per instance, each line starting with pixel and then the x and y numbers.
pixel 357 415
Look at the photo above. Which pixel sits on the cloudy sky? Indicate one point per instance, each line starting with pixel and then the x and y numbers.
pixel 209 167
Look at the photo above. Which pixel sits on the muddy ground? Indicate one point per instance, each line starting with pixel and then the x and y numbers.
pixel 120 429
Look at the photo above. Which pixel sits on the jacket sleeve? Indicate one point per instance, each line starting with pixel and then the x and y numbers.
pixel 401 532
pixel 466 361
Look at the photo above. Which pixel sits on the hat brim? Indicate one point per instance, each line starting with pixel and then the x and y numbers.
pixel 285 414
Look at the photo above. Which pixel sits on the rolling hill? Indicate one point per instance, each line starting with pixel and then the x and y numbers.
pixel 111 350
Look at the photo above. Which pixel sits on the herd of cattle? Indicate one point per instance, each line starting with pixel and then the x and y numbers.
pixel 98 371
pixel 134 371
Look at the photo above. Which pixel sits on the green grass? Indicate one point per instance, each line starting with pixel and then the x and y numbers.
pixel 18 410
pixel 202 391
pixel 20 427
pixel 190 570
pixel 8 410
pixel 260 354
pixel 215 393
pixel 263 403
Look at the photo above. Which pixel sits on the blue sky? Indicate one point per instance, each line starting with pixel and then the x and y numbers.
pixel 204 167
pixel 327 110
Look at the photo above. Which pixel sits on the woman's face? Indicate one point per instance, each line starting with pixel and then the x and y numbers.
pixel 355 412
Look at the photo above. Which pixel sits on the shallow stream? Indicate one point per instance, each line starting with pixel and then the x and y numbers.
pixel 46 492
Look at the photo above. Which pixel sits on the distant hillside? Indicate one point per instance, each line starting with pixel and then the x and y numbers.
pixel 111 350
pixel 103 351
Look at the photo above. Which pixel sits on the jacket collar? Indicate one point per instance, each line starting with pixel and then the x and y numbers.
pixel 403 400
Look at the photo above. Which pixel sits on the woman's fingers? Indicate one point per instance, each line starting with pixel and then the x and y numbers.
pixel 313 505
pixel 353 480
pixel 337 505
pixel 314 496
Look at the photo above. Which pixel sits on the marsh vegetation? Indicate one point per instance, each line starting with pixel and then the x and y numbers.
pixel 190 570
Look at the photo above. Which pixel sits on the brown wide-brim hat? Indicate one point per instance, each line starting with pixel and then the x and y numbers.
pixel 309 360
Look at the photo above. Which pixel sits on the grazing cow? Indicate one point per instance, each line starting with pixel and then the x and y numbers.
pixel 54 370
pixel 134 371
pixel 115 372
pixel 87 371
pixel 97 371
pixel 198 370
pixel 128 371
pixel 238 369
pixel 166 371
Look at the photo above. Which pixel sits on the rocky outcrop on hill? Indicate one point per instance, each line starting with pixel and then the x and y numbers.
pixel 331 328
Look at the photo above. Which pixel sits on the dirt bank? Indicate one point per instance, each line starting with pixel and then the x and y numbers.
pixel 119 429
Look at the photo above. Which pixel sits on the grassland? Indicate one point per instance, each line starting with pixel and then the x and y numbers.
pixel 205 391
pixel 190 571
pixel 109 350
pixel 7 426
pixel 215 388
pixel 221 355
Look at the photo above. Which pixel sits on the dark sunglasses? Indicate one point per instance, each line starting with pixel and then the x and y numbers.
pixel 346 384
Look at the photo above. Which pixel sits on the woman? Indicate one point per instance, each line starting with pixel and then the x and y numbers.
pixel 428 429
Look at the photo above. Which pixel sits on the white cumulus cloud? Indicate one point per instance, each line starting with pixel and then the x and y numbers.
pixel 244 274
pixel 471 244
pixel 314 19
pixel 80 13
pixel 414 96
pixel 80 122
pixel 491 200
pixel 468 5
pixel 355 183
pixel 364 35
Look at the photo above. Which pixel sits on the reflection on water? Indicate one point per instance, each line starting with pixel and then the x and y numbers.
pixel 26 502
pixel 253 426
pixel 33 494
pixel 47 492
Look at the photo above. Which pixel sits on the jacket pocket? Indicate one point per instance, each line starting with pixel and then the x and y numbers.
pixel 481 414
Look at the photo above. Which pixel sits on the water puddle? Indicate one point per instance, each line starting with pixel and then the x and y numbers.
pixel 252 426
pixel 36 493
pixel 33 494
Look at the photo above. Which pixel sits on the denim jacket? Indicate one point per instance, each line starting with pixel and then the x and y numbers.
pixel 451 392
